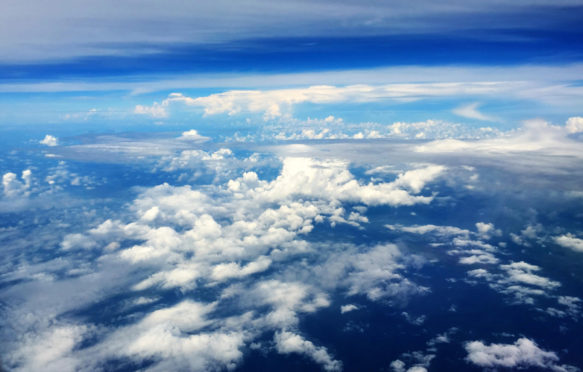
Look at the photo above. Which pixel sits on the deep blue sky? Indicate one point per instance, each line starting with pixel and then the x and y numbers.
pixel 505 47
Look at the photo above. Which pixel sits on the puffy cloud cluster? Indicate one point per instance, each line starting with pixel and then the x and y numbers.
pixel 524 353
pixel 243 243
pixel 289 128
pixel 13 187
pixel 471 251
pixel 157 111
pixel 212 166
pixel 49 140
pixel 520 280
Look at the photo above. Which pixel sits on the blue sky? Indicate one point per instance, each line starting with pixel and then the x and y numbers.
pixel 96 62
pixel 291 185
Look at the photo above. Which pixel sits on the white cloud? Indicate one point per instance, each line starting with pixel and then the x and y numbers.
pixel 49 141
pixel 572 304
pixel 417 369
pixel 286 300
pixel 547 81
pixel 416 179
pixel 399 366
pixel 158 111
pixel 419 359
pixel 176 335
pixel 574 124
pixel 414 320
pixel 535 136
pixel 478 257
pixel 185 238
pixel 192 135
pixel 524 353
pixel 288 342
pixel 76 241
pixel 569 241
pixel 518 280
pixel 434 229
pixel 376 273
pixel 13 188
pixel 274 103
pixel 289 128
pixel 234 270
pixel 331 180
pixel 470 111
pixel 522 272
pixel 486 230
pixel 53 350
pixel 348 308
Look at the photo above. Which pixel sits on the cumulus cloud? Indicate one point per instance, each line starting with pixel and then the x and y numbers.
pixel 574 124
pixel 288 342
pixel 486 230
pixel 13 187
pixel 330 179
pixel 235 239
pixel 49 141
pixel 192 135
pixel 290 128
pixel 524 353
pixel 569 241
pixel 470 111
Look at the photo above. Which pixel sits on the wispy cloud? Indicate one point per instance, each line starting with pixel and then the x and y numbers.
pixel 471 111
pixel 273 103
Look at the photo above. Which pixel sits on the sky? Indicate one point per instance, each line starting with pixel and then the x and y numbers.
pixel 86 61
pixel 291 185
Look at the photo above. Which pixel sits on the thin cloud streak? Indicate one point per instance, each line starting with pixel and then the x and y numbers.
pixel 471 111
pixel 395 75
